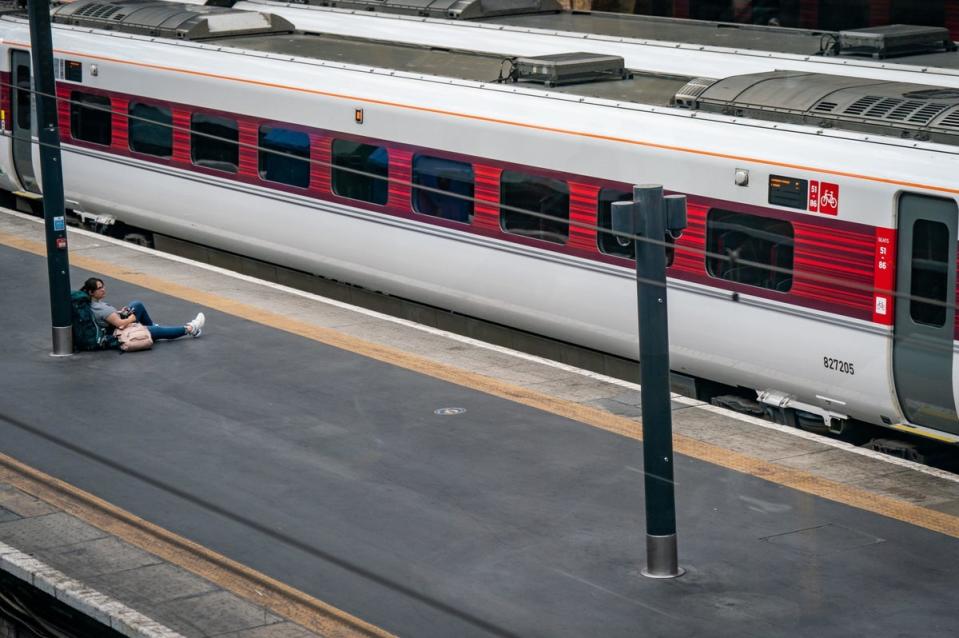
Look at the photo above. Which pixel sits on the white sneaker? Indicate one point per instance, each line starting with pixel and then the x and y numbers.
pixel 196 326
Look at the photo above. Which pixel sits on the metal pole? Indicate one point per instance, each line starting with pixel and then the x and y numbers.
pixel 649 212
pixel 58 263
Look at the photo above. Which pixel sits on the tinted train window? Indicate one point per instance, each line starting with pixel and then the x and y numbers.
pixel 930 272
pixel 749 238
pixel 546 196
pixel 443 175
pixel 24 103
pixel 90 118
pixel 214 142
pixel 367 169
pixel 285 156
pixel 151 129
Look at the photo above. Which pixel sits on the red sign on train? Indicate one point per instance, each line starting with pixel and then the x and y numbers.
pixel 884 279
pixel 823 197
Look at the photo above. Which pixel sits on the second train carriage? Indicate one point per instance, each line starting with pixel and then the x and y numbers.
pixel 902 53
pixel 170 122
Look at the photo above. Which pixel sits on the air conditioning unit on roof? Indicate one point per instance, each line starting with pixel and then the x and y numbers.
pixel 894 40
pixel 570 68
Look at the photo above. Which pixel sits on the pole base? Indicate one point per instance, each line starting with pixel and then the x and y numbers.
pixel 62 341
pixel 662 559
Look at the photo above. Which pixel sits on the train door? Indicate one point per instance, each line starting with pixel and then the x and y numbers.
pixel 925 311
pixel 22 107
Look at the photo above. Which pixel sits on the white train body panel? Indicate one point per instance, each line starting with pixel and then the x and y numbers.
pixel 757 342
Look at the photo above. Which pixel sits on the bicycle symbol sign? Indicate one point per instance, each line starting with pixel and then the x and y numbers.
pixel 823 197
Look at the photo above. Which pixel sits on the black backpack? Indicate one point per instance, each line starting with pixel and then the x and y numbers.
pixel 87 334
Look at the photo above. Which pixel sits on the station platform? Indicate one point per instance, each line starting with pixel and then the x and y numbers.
pixel 311 469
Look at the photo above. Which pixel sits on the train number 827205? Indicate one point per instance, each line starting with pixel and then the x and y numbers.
pixel 844 367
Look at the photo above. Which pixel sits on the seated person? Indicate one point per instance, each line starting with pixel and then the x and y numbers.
pixel 108 317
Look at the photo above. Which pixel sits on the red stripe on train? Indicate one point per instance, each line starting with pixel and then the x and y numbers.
pixel 825 249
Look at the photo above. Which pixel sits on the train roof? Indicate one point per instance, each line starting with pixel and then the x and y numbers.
pixel 897 109
pixel 902 44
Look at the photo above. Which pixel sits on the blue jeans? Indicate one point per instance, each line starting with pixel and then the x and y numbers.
pixel 157 332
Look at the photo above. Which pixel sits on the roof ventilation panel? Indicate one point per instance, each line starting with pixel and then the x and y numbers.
pixel 894 40
pixel 906 109
pixel 951 120
pixel 860 105
pixel 927 112
pixel 168 19
pixel 883 106
pixel 570 68
pixel 825 106
pixel 893 109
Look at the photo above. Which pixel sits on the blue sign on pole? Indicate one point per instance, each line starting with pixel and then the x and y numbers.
pixel 59 224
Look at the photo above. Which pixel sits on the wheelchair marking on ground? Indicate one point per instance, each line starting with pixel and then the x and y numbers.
pixel 768 470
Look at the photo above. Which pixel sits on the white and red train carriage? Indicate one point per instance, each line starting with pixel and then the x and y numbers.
pixel 172 120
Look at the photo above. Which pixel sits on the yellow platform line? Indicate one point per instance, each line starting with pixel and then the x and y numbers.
pixel 796 479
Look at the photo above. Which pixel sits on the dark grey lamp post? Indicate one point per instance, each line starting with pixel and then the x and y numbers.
pixel 650 216
pixel 58 263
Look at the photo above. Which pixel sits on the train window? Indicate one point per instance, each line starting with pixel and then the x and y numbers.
pixel 284 156
pixel 930 272
pixel 214 142
pixel 543 195
pixel 367 169
pixel 24 97
pixel 443 175
pixel 151 129
pixel 763 242
pixel 90 118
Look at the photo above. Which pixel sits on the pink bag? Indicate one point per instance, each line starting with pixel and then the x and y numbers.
pixel 134 337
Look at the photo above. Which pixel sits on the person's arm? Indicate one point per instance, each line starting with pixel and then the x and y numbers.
pixel 114 320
